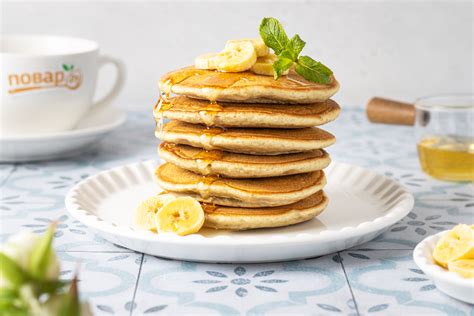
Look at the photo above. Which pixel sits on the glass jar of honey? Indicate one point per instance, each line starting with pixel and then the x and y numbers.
pixel 445 136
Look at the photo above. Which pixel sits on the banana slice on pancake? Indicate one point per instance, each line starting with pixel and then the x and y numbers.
pixel 260 48
pixel 264 65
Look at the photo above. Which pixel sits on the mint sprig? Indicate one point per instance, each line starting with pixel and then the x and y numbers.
pixel 288 51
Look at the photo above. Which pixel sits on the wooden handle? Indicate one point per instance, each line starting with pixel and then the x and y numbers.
pixel 386 111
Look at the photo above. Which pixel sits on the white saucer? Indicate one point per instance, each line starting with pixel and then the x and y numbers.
pixel 64 144
pixel 362 204
pixel 448 282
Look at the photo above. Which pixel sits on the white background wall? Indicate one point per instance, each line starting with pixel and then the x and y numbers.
pixel 397 49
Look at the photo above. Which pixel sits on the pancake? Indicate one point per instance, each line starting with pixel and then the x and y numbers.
pixel 249 114
pixel 257 192
pixel 245 87
pixel 234 218
pixel 233 165
pixel 258 141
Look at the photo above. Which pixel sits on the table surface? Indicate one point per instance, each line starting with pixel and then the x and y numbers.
pixel 376 278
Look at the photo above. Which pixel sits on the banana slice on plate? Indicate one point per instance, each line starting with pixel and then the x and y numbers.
pixel 463 267
pixel 181 216
pixel 457 244
pixel 264 65
pixel 145 213
pixel 260 48
pixel 206 61
pixel 237 57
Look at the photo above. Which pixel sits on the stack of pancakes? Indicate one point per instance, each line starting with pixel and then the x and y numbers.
pixel 245 145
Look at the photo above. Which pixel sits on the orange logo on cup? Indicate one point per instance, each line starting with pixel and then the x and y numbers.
pixel 68 78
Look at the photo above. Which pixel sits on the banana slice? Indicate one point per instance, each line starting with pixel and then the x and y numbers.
pixel 145 213
pixel 206 61
pixel 182 216
pixel 464 267
pixel 264 65
pixel 260 48
pixel 236 57
pixel 457 244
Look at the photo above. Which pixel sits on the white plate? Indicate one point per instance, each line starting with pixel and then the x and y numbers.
pixel 362 204
pixel 448 282
pixel 64 144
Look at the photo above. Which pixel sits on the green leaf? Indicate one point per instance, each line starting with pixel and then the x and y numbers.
pixel 12 310
pixel 50 287
pixel 11 304
pixel 313 70
pixel 42 254
pixel 10 270
pixel 65 67
pixel 70 305
pixel 7 297
pixel 273 34
pixel 283 63
pixel 295 45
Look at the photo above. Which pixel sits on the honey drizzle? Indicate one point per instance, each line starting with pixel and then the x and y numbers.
pixel 162 105
pixel 209 114
pixel 204 185
pixel 205 158
pixel 209 207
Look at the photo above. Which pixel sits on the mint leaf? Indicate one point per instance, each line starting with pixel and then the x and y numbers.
pixel 295 45
pixel 273 34
pixel 313 70
pixel 282 64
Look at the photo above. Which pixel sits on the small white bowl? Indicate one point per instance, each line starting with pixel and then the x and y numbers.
pixel 448 282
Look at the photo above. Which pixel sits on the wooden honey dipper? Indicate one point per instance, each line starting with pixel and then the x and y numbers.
pixel 380 110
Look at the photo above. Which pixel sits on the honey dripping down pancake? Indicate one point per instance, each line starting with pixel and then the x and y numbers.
pixel 257 141
pixel 233 165
pixel 225 114
pixel 245 87
pixel 252 192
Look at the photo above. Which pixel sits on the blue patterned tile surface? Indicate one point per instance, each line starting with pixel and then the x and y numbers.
pixel 378 278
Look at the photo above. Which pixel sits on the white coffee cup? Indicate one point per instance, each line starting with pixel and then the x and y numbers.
pixel 48 83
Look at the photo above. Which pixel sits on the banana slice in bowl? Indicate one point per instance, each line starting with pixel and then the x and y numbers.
pixel 450 282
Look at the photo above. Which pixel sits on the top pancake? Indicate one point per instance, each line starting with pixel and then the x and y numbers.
pixel 245 87
pixel 248 114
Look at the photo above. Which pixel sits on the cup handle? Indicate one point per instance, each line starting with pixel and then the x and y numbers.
pixel 119 82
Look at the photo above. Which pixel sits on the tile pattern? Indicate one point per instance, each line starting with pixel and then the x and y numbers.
pixel 373 279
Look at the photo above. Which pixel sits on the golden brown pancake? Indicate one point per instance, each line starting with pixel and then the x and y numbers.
pixel 257 192
pixel 258 141
pixel 245 87
pixel 226 114
pixel 235 218
pixel 233 165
